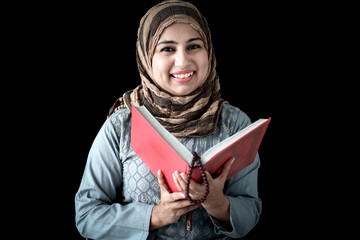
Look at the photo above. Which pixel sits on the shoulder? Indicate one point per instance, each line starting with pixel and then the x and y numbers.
pixel 232 111
pixel 119 120
pixel 234 117
pixel 118 128
pixel 120 115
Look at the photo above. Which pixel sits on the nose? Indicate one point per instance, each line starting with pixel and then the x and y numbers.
pixel 182 58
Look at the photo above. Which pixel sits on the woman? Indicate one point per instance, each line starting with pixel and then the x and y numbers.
pixel 119 197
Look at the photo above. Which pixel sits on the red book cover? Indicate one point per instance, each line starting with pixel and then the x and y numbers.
pixel 158 149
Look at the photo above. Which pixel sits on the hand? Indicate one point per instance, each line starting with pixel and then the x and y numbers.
pixel 171 206
pixel 216 203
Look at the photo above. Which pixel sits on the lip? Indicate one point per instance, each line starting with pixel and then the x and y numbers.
pixel 182 80
pixel 183 72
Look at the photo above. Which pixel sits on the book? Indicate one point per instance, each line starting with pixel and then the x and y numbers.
pixel 159 149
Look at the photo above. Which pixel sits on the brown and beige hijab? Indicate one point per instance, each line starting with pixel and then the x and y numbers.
pixel 192 115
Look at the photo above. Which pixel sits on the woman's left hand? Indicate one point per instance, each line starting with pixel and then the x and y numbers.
pixel 216 203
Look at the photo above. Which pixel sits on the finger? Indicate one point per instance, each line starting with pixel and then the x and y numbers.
pixel 162 182
pixel 177 179
pixel 184 206
pixel 226 168
pixel 177 196
pixel 190 208
pixel 182 179
pixel 196 190
pixel 209 177
pixel 185 180
pixel 192 184
pixel 179 204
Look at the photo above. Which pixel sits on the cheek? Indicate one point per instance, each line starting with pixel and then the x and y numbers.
pixel 160 67
pixel 203 65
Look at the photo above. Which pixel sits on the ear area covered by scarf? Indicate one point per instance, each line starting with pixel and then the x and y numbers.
pixel 192 115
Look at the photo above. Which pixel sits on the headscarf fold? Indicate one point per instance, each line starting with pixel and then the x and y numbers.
pixel 192 115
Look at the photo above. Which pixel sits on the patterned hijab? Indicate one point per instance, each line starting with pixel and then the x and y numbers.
pixel 192 115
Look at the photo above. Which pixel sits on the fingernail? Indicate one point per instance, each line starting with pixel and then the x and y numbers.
pixel 183 175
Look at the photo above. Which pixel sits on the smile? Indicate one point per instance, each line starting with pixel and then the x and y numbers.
pixel 182 75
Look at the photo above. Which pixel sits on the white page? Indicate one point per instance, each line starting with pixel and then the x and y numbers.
pixel 173 141
pixel 223 144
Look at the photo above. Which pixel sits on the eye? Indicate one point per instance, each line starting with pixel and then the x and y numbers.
pixel 193 46
pixel 167 49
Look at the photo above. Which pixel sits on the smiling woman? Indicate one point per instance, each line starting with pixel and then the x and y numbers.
pixel 179 67
pixel 174 39
pixel 119 197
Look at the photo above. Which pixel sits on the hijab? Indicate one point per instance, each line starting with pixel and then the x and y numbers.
pixel 192 115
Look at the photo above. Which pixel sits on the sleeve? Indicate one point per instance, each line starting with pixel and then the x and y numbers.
pixel 99 213
pixel 241 189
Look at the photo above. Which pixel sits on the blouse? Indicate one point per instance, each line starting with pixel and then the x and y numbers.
pixel 118 191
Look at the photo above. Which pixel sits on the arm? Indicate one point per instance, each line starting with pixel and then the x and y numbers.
pixel 242 192
pixel 233 206
pixel 245 205
pixel 171 206
pixel 236 208
pixel 99 213
pixel 216 203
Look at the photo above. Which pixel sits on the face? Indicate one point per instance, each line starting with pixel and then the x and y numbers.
pixel 180 61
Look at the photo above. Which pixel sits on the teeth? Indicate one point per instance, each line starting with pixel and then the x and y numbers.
pixel 183 75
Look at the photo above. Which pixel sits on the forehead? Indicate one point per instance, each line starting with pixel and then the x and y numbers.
pixel 179 32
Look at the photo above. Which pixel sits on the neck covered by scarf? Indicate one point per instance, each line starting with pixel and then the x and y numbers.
pixel 192 115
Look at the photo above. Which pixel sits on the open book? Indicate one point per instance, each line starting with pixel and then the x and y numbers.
pixel 159 149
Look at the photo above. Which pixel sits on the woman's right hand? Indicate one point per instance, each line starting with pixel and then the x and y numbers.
pixel 171 207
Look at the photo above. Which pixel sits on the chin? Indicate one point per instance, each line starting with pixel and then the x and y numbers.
pixel 182 92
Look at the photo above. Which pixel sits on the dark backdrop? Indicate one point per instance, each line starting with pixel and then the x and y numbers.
pixel 85 60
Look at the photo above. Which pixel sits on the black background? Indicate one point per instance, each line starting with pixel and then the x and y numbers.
pixel 79 58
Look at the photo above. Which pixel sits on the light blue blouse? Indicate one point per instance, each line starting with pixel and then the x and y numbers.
pixel 118 191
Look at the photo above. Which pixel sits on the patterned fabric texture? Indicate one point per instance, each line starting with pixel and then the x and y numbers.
pixel 118 191
pixel 141 185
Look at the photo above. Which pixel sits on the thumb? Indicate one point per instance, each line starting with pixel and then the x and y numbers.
pixel 162 182
pixel 226 169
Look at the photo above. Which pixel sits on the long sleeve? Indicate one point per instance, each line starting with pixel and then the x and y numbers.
pixel 118 191
pixel 241 189
pixel 100 214
pixel 245 205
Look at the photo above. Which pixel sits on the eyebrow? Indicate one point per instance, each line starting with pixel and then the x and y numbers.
pixel 174 42
pixel 194 39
